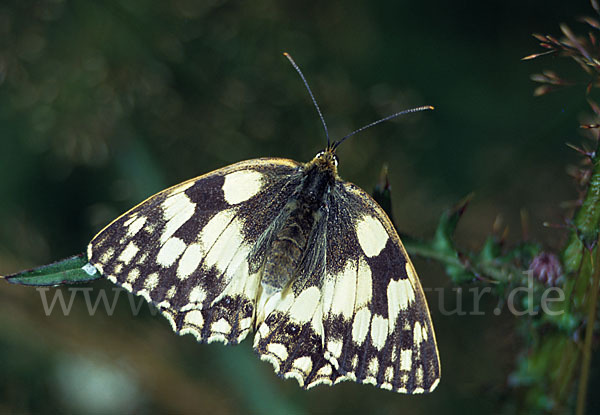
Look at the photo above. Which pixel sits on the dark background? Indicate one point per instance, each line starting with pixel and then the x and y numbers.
pixel 105 103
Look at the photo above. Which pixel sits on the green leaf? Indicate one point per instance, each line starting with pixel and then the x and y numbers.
pixel 72 270
pixel 443 242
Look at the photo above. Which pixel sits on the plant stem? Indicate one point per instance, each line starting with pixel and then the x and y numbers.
pixel 497 272
pixel 589 331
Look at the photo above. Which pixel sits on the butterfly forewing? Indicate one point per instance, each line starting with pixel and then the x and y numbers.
pixel 185 249
pixel 390 341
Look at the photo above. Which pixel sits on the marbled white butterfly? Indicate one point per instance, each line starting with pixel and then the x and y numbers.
pixel 290 251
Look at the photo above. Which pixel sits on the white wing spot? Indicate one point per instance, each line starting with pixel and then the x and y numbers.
pixel 238 262
pixel 145 294
pixel 225 247
pixel 128 253
pixel 345 291
pixel 379 331
pixel 317 322
pixel 177 210
pixel 360 325
pixel 151 282
pixel 318 380
pixel 134 227
pixel 304 364
pixel 372 236
pixel 369 380
pixel 171 293
pixel 245 323
pixel 263 331
pixel 189 261
pixel 354 363
pixel 373 366
pixel 325 371
pixel 130 220
pixel 194 317
pixel 389 373
pixel 241 185
pixel 405 359
pixel 197 295
pixel 305 305
pixel 222 239
pixel 327 291
pixel 170 251
pixel 272 360
pixel 164 304
pixel 213 229
pixel 417 334
pixel 107 255
pixel 295 375
pixel 133 275
pixel 266 304
pixel 142 258
pixel 364 290
pixel 386 386
pixel 335 348
pixel 279 350
pixel 419 376
pixel 400 295
pixel 221 326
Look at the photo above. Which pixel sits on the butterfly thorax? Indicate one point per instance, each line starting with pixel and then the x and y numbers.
pixel 303 211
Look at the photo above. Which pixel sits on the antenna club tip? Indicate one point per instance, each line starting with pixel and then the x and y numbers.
pixel 286 54
pixel 431 107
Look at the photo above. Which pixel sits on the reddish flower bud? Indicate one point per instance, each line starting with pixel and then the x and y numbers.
pixel 546 268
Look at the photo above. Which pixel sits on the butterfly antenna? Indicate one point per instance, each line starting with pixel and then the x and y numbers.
pixel 287 55
pixel 389 117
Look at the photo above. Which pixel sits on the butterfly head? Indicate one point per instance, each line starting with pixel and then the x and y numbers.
pixel 325 160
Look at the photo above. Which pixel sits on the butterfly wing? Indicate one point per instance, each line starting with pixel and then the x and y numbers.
pixel 364 317
pixel 387 335
pixel 185 249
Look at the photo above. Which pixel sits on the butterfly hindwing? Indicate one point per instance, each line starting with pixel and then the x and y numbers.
pixel 291 336
pixel 185 248
pixel 364 318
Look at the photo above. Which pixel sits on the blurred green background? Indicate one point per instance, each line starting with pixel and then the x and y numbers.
pixel 104 103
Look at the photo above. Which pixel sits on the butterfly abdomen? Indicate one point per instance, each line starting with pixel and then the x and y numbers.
pixel 290 242
pixel 286 251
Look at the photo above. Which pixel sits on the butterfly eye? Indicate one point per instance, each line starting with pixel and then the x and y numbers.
pixel 336 160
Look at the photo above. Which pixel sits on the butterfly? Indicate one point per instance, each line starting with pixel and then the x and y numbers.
pixel 289 251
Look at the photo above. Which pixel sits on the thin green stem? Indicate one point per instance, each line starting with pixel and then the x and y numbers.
pixel 499 273
pixel 589 331
pixel 425 250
